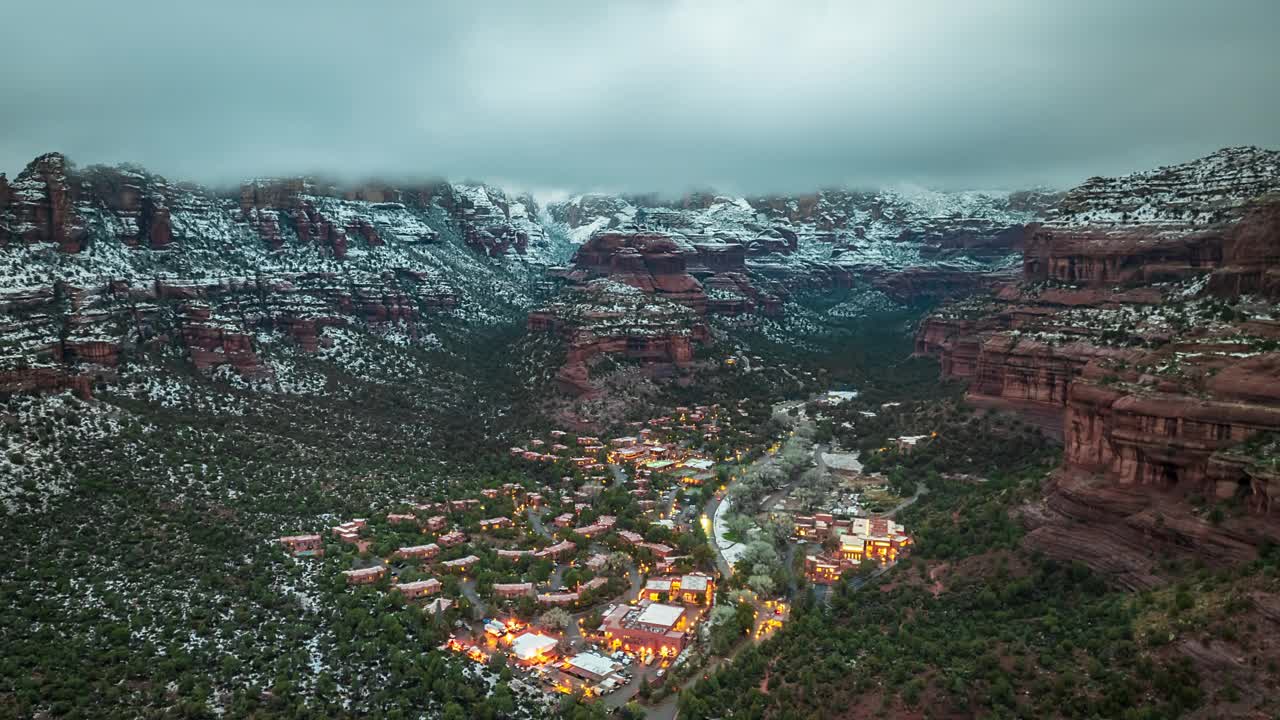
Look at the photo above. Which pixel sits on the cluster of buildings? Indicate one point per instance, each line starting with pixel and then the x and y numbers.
pixel 585 452
pixel 860 539
pixel 648 628
pixel 637 541
pixel 571 597
pixel 590 673
pixel 691 589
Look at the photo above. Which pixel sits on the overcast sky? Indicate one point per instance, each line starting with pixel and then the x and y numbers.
pixel 740 95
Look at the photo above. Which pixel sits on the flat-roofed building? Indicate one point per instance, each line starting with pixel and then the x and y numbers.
pixel 462 564
pixel 495 523
pixel 590 666
pixel 418 588
pixel 365 576
pixel 879 539
pixel 649 627
pixel 534 648
pixel 303 545
pixel 691 589
pixel 558 598
pixel 557 551
pixel 452 539
pixel 509 591
pixel 418 552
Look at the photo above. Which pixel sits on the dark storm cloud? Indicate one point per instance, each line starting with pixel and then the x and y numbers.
pixel 741 95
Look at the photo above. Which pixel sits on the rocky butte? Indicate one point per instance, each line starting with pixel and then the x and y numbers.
pixel 1143 332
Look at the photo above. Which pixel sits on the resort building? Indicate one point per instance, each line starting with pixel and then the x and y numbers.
pixel 349 531
pixel 365 576
pixel 907 443
pixel 878 539
pixel 303 545
pixel 658 549
pixel 557 551
pixel 462 564
pixel 510 591
pixel 822 570
pixel 602 525
pixel 452 539
pixel 692 589
pixel 558 599
pixel 418 552
pixel 590 666
pixel 533 648
pixel 495 522
pixel 417 589
pixel 648 627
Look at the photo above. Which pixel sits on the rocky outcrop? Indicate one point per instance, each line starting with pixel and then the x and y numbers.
pixel 212 345
pixel 1251 256
pixel 664 265
pixel 1121 256
pixel 605 319
pixel 1127 534
pixel 1115 341
pixel 640 295
pixel 1166 435
pixel 41 206
pixel 1163 225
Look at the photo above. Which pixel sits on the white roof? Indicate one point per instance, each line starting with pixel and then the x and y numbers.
pixel 660 615
pixel 693 582
pixel 842 461
pixel 699 464
pixel 594 663
pixel 530 645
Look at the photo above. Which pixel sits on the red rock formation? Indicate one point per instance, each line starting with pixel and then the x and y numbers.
pixel 655 351
pixel 41 206
pixel 1126 532
pixel 652 262
pixel 98 352
pixel 211 345
pixel 1118 256
pixel 1163 406
pixel 39 380
pixel 1252 255
pixel 1166 437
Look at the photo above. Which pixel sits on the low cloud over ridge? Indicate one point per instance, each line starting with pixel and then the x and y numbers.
pixel 636 96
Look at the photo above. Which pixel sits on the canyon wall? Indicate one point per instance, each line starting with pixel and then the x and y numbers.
pixel 1144 331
